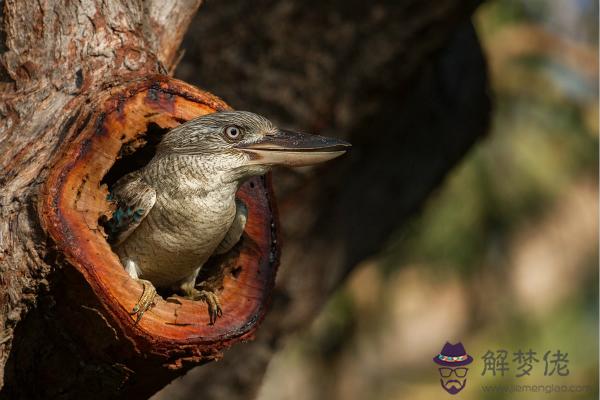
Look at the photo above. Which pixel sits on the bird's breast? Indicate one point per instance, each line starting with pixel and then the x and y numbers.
pixel 179 234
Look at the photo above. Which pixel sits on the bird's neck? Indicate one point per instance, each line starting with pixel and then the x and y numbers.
pixel 187 174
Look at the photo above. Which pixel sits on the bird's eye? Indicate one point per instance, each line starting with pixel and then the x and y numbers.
pixel 233 132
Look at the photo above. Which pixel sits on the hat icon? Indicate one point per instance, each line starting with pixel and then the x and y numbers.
pixel 453 355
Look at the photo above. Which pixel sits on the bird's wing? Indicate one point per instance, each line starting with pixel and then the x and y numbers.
pixel 233 236
pixel 134 199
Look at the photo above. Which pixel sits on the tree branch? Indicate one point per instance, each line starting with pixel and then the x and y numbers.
pixel 165 26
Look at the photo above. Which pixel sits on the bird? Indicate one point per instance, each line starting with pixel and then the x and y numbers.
pixel 180 209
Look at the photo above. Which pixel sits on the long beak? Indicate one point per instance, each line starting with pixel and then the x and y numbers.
pixel 294 149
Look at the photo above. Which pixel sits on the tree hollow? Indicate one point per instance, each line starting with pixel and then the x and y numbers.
pixel 113 133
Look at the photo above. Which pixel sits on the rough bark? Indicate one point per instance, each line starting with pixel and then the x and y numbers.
pixel 403 81
pixel 62 66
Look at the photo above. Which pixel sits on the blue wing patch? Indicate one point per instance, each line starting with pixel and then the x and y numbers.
pixel 134 199
pixel 122 218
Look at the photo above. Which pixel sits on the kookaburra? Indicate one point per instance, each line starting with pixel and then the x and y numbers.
pixel 180 208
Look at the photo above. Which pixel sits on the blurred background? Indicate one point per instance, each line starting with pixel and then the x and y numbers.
pixel 502 255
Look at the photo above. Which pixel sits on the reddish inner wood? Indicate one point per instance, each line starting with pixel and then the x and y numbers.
pixel 74 202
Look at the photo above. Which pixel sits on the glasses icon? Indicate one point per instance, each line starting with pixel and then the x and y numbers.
pixel 459 372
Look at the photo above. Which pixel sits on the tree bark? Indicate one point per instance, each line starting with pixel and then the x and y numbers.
pixel 81 88
pixel 403 81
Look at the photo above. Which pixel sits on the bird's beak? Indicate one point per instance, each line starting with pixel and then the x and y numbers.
pixel 294 149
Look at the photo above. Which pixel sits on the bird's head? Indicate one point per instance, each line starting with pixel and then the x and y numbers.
pixel 242 144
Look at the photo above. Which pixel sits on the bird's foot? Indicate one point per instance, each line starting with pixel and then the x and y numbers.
pixel 211 298
pixel 145 302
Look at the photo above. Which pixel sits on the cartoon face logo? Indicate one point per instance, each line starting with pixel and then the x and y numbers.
pixel 453 374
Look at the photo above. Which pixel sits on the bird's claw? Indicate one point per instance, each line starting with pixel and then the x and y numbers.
pixel 145 302
pixel 212 300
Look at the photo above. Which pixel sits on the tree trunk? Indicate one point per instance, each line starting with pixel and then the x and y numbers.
pixel 83 103
pixel 404 82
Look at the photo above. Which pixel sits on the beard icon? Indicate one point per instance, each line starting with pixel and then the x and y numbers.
pixel 453 386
